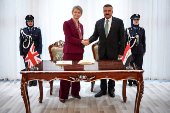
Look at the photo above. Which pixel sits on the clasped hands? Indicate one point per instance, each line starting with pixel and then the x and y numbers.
pixel 85 42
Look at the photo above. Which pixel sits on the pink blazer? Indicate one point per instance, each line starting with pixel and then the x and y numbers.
pixel 72 41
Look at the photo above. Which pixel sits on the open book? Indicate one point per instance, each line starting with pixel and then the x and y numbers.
pixel 86 62
pixel 64 63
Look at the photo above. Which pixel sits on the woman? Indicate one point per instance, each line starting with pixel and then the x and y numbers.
pixel 136 36
pixel 73 50
pixel 34 35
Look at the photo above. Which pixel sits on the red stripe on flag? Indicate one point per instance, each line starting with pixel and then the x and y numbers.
pixel 29 66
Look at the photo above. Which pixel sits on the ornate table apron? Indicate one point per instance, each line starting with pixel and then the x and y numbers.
pixel 88 76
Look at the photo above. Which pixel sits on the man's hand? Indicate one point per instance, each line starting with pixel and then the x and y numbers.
pixel 119 56
pixel 143 54
pixel 22 55
pixel 85 42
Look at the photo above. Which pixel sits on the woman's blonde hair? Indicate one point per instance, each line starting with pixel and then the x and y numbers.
pixel 77 7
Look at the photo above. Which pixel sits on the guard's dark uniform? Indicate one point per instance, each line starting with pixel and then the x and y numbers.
pixel 28 35
pixel 137 43
pixel 24 41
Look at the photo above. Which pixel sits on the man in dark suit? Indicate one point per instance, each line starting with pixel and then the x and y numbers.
pixel 110 31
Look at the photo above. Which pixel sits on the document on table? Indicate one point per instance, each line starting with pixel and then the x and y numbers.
pixel 64 63
pixel 86 62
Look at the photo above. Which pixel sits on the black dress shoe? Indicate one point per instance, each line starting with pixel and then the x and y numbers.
pixel 30 84
pixel 134 82
pixel 111 93
pixel 99 94
pixel 130 83
pixel 79 97
pixel 63 100
pixel 34 83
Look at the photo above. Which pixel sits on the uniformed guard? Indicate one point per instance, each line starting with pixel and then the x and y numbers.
pixel 28 35
pixel 136 36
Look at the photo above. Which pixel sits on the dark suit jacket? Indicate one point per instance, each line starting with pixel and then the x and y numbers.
pixel 72 40
pixel 114 43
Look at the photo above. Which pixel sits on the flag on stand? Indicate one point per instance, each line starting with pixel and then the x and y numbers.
pixel 127 57
pixel 32 57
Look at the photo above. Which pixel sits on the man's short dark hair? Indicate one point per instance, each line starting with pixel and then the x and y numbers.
pixel 107 5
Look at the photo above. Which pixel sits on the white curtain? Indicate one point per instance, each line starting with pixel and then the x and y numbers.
pixel 50 14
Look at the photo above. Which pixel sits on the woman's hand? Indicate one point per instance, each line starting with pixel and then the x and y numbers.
pixel 85 42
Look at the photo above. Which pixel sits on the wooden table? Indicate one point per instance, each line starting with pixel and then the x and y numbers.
pixel 102 69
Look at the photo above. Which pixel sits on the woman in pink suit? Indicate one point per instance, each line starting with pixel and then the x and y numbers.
pixel 73 50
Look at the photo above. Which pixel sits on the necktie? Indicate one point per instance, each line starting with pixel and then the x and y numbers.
pixel 106 28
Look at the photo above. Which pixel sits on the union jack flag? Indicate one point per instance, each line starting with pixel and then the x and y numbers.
pixel 32 57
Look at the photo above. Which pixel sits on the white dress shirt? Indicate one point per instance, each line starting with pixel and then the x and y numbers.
pixel 109 23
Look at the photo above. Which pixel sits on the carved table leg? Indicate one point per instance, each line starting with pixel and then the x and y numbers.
pixel 51 87
pixel 139 94
pixel 124 90
pixel 41 91
pixel 24 93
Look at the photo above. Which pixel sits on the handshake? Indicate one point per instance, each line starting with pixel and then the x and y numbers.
pixel 85 42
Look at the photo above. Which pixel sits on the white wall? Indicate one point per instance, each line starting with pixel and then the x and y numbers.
pixel 50 14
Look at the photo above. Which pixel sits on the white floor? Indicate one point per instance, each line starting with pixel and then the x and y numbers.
pixel 156 99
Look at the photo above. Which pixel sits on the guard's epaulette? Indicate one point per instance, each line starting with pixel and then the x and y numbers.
pixel 23 28
pixel 141 27
pixel 130 28
pixel 37 27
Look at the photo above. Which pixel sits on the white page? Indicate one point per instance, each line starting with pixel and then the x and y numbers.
pixel 64 62
pixel 90 61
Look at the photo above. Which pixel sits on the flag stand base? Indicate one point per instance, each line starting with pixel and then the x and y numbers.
pixel 129 68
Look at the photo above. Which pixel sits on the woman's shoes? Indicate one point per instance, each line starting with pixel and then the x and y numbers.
pixel 79 97
pixel 62 100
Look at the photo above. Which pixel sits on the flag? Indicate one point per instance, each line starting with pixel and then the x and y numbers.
pixel 127 57
pixel 32 57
